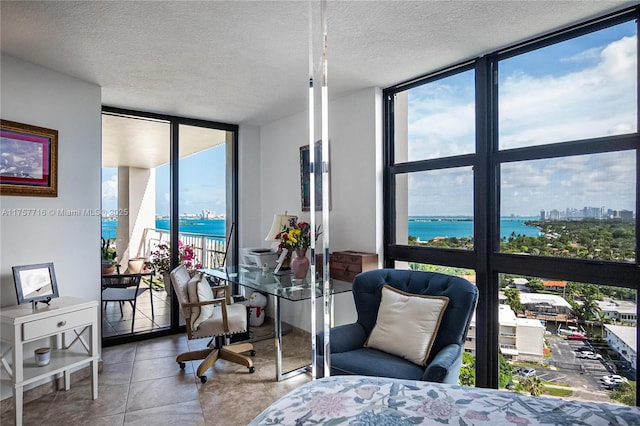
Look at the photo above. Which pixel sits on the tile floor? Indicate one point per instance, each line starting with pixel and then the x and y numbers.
pixel 141 384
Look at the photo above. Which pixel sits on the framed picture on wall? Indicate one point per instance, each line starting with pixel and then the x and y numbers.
pixel 305 195
pixel 29 161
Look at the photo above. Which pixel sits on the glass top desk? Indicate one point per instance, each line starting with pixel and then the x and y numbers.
pixel 281 287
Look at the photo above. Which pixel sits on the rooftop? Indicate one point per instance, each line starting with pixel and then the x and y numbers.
pixel 537 298
pixel 626 333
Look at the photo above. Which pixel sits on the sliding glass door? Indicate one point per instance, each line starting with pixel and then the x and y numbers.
pixel 168 198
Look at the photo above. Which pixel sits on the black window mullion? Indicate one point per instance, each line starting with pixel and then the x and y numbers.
pixel 388 177
pixel 434 164
pixel 565 149
pixel 487 324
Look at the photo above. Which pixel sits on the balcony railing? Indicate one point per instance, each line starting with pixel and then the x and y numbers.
pixel 209 250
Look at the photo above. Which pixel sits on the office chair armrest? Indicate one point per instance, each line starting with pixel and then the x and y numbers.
pixel 206 302
pixel 445 366
pixel 343 338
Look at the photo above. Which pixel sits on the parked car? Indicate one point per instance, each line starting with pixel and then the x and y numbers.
pixel 584 349
pixel 613 383
pixel 612 378
pixel 528 372
pixel 588 355
pixel 577 336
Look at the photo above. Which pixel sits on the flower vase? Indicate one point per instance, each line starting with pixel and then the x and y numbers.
pixel 300 264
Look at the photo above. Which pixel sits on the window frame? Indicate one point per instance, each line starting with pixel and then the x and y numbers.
pixel 486 258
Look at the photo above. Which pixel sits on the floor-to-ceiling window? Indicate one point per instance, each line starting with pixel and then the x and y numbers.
pixel 169 197
pixel 519 171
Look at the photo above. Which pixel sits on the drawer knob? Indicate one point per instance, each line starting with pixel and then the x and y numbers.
pixel 62 323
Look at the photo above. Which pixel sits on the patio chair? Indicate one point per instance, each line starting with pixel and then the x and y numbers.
pixel 123 288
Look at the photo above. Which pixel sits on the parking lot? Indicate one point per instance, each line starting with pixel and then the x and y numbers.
pixel 583 375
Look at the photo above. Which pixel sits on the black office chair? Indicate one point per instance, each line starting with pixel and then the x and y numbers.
pixel 123 288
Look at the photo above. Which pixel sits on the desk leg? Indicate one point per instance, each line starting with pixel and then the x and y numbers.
pixel 278 341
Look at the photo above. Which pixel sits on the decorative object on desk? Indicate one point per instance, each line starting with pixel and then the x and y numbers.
pixel 280 221
pixel 42 356
pixel 35 283
pixel 300 264
pixel 29 160
pixel 108 252
pixel 297 236
pixel 305 180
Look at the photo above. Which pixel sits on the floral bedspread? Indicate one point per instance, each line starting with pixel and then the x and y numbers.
pixel 359 400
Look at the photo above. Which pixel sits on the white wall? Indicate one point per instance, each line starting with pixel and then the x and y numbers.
pixel 34 95
pixel 355 173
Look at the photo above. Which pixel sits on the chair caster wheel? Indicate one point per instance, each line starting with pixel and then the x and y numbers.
pixel 203 379
pixel 252 353
pixel 252 369
pixel 182 365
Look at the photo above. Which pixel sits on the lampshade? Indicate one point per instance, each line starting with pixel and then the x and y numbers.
pixel 279 220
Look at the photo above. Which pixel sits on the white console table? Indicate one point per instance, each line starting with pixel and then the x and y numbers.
pixel 64 317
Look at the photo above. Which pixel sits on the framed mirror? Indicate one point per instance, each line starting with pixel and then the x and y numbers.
pixel 35 283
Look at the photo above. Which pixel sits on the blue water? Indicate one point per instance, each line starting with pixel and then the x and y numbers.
pixel 429 227
pixel 195 226
pixel 424 227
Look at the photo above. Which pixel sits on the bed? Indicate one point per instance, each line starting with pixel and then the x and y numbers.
pixel 360 400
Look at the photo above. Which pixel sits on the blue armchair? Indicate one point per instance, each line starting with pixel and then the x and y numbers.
pixel 350 356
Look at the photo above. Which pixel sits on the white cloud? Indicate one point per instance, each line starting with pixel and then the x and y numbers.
pixel 110 189
pixel 593 102
pixel 598 100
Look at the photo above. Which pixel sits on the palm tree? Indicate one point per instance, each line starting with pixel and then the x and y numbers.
pixel 533 385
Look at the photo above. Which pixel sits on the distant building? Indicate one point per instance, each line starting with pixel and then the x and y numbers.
pixel 619 310
pixel 545 304
pixel 520 284
pixel 625 214
pixel 554 285
pixel 520 339
pixel 542 215
pixel 622 339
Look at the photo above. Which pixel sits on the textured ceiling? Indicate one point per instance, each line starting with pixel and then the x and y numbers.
pixel 247 61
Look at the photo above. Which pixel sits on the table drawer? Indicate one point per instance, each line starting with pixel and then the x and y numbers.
pixel 57 324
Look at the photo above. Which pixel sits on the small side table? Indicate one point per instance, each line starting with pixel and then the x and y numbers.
pixel 64 316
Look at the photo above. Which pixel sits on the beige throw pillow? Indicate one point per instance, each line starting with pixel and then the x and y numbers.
pixel 407 324
pixel 200 291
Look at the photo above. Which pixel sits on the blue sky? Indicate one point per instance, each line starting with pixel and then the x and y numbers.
pixel 581 88
pixel 202 183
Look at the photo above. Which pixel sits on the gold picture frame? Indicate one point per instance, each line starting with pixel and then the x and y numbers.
pixel 29 162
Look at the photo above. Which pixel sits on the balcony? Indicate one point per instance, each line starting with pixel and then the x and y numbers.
pixel 209 250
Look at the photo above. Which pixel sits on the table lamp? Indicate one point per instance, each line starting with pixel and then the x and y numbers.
pixel 279 220
pixel 284 256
